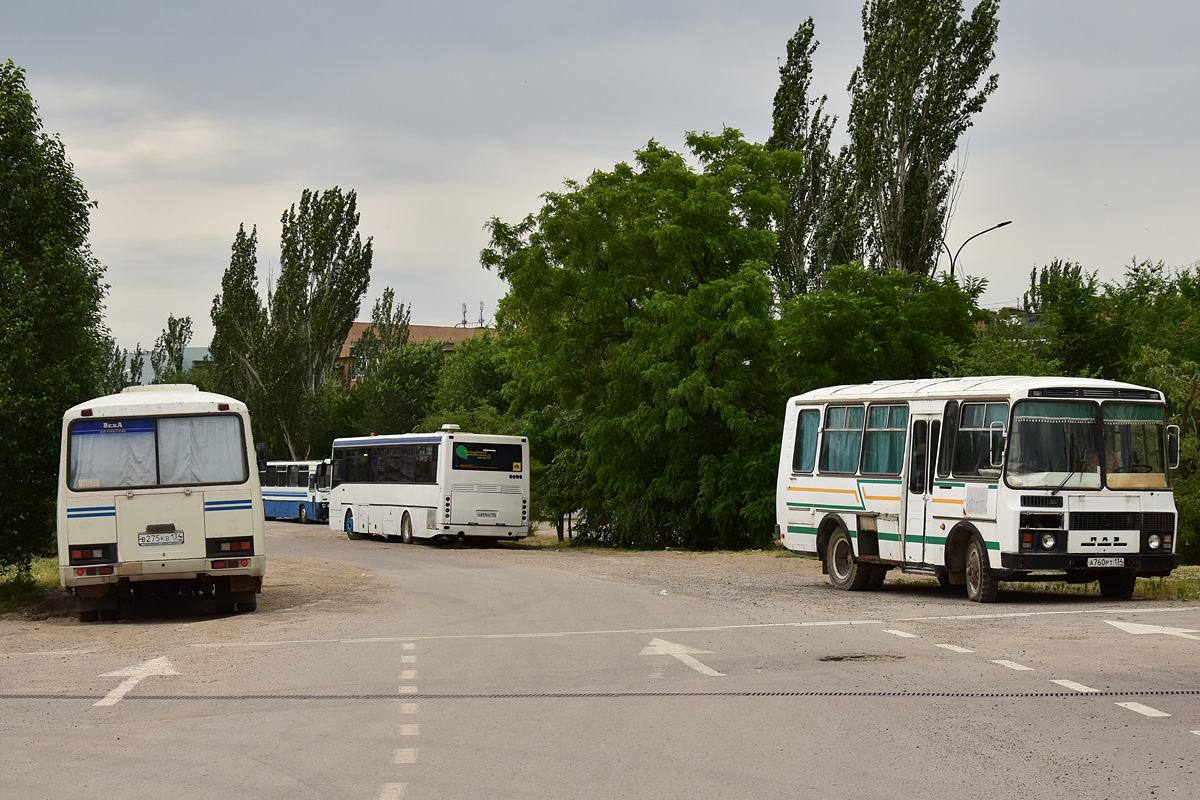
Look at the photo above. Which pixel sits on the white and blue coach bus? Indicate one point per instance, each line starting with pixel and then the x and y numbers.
pixel 158 495
pixel 447 484
pixel 980 480
pixel 293 490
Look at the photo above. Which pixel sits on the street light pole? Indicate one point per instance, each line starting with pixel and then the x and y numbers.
pixel 954 257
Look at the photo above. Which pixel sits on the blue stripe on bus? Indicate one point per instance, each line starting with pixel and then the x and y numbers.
pixel 228 505
pixel 97 511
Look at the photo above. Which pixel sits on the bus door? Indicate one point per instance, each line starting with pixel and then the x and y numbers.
pixel 919 485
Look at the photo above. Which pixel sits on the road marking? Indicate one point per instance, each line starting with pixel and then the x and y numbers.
pixel 1145 711
pixel 59 652
pixel 659 647
pixel 1075 687
pixel 408 659
pixel 405 755
pixel 1138 629
pixel 408 641
pixel 391 791
pixel 955 648
pixel 901 634
pixel 133 676
pixel 412 729
pixel 1012 665
pixel 408 690
pixel 1196 732
pixel 408 708
pixel 408 675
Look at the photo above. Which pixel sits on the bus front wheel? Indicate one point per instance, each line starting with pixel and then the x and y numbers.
pixel 406 530
pixel 981 581
pixel 844 571
pixel 303 515
pixel 1118 585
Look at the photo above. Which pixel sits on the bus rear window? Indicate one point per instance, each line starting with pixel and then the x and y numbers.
pixel 162 451
pixel 487 457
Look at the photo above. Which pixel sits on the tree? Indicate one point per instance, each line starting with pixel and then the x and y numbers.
pixel 920 82
pixel 1073 321
pixel 802 127
pixel 397 394
pixel 137 363
pixel 637 321
pixel 279 357
pixel 324 270
pixel 470 389
pixel 388 331
pixel 115 376
pixel 166 358
pixel 52 338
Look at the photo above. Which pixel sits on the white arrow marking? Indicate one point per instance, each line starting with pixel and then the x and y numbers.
pixel 659 647
pixel 134 675
pixel 1139 629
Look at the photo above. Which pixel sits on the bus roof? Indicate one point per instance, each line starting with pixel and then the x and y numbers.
pixel 987 387
pixel 423 438
pixel 164 398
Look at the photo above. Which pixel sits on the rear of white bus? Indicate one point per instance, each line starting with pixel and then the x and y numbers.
pixel 485 486
pixel 158 496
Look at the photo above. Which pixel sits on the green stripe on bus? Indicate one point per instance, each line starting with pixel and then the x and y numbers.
pixel 896 482
pixel 800 529
pixel 888 537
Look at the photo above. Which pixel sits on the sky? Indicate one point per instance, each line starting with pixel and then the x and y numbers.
pixel 186 120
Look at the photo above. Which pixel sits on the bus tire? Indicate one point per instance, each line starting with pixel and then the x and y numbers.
pixel 878 576
pixel 1117 585
pixel 845 572
pixel 981 581
pixel 110 614
pixel 246 606
pixel 303 514
pixel 348 526
pixel 406 529
pixel 91 615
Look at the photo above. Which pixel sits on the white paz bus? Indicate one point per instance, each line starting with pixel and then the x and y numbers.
pixel 448 484
pixel 158 495
pixel 979 480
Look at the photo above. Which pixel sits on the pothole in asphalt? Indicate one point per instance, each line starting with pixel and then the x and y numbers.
pixel 863 657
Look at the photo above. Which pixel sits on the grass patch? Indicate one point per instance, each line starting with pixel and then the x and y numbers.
pixel 20 591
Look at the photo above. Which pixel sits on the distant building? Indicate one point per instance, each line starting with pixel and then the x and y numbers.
pixel 417 334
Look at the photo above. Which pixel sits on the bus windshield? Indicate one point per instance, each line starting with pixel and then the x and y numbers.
pixel 1057 445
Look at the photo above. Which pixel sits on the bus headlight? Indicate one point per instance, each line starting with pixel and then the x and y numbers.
pixel 1049 540
pixel 1154 541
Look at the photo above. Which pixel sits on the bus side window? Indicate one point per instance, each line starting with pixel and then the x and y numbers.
pixel 272 476
pixel 804 454
pixel 972 446
pixel 291 475
pixel 918 461
pixel 842 441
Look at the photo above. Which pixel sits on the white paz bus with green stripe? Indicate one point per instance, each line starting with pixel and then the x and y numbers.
pixel 158 496
pixel 980 480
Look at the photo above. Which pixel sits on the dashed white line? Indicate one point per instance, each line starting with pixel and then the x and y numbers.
pixel 901 634
pixel 408 659
pixel 411 729
pixel 1012 665
pixel 408 690
pixel 409 646
pixel 1145 711
pixel 955 648
pixel 405 755
pixel 391 791
pixel 408 708
pixel 408 675
pixel 1075 687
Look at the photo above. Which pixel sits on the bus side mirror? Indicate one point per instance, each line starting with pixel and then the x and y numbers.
pixel 1173 446
pixel 260 454
pixel 996 442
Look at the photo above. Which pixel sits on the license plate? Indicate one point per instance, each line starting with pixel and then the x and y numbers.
pixel 1106 562
pixel 155 539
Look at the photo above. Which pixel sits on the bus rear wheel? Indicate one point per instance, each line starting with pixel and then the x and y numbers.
pixel 349 527
pixel 844 571
pixel 406 530
pixel 303 514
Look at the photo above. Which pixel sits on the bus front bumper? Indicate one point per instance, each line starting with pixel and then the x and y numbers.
pixel 1146 565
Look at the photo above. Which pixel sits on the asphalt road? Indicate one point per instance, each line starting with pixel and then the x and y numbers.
pixel 489 673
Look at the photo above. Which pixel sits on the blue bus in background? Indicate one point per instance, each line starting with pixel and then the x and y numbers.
pixel 290 490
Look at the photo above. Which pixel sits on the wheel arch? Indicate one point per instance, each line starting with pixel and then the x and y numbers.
pixel 956 546
pixel 828 525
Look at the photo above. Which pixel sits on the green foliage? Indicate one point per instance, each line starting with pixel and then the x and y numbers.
pixel 920 82
pixel 1073 322
pixel 388 331
pixel 866 325
pixel 637 321
pixel 1003 346
pixel 52 340
pixel 166 358
pixel 398 393
pixel 114 376
pixel 280 358
pixel 802 127
pixel 470 389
